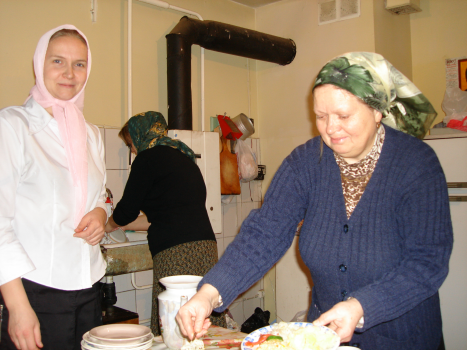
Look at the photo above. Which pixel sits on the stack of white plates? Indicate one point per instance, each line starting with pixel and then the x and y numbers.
pixel 118 337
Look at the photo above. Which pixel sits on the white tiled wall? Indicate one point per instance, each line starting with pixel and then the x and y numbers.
pixel 234 210
pixel 117 163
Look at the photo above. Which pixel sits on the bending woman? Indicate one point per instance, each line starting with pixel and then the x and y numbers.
pixel 377 233
pixel 52 200
pixel 166 184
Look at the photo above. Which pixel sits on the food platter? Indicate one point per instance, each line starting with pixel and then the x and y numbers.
pixel 323 337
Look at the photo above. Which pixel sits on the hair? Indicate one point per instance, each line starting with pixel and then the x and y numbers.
pixel 68 32
pixel 124 134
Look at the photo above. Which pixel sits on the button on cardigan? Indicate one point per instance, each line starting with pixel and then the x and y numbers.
pixel 395 246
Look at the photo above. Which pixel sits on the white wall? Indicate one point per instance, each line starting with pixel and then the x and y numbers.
pixel 438 32
pixel 23 22
pixel 233 214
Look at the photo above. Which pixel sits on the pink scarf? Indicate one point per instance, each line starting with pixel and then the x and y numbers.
pixel 70 119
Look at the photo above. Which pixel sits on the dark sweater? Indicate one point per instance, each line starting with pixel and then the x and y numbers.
pixel 169 188
pixel 392 254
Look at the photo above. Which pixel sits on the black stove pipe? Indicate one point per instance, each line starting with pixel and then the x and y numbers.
pixel 215 36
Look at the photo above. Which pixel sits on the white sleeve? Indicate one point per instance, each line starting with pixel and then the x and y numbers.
pixel 101 202
pixel 14 261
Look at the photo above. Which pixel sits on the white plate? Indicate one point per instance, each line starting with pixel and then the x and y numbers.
pixel 87 346
pixel 254 336
pixel 120 333
pixel 97 344
pixel 118 236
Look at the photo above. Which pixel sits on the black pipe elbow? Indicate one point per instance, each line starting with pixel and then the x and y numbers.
pixel 215 36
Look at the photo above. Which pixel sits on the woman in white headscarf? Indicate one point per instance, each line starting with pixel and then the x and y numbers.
pixel 52 203
pixel 376 233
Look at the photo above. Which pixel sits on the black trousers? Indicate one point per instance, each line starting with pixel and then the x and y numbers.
pixel 64 316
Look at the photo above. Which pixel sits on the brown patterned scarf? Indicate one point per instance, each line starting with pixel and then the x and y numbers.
pixel 356 176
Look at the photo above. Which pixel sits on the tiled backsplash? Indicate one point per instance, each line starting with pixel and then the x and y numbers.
pixel 116 161
pixel 233 214
pixel 234 210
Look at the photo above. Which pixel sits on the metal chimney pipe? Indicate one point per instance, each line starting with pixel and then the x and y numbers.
pixel 215 36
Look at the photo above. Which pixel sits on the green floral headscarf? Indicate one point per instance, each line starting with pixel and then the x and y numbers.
pixel 373 79
pixel 149 129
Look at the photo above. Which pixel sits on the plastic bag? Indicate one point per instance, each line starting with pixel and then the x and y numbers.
pixel 300 316
pixel 258 320
pixel 247 167
pixel 455 107
pixel 231 324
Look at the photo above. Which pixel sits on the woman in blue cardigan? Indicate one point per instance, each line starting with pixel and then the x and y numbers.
pixel 376 234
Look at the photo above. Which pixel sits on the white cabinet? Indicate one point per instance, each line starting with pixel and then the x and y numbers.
pixel 117 153
pixel 452 153
pixel 206 146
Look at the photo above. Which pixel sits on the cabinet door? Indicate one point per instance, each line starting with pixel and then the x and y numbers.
pixel 453 291
pixel 452 153
pixel 206 146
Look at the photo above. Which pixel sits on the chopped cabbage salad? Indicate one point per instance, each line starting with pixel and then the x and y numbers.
pixel 290 336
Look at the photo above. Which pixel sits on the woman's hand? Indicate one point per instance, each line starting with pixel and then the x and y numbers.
pixel 24 328
pixel 140 224
pixel 111 225
pixel 342 318
pixel 91 226
pixel 193 316
pixel 23 325
pixel 109 228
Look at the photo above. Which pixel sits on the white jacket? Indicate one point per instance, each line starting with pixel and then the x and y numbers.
pixel 37 202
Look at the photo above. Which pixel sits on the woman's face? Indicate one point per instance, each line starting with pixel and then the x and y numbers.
pixel 346 124
pixel 133 149
pixel 131 146
pixel 65 67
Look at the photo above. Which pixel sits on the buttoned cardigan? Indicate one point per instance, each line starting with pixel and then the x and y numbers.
pixel 392 254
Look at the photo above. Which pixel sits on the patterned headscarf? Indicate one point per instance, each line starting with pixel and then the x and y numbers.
pixel 370 77
pixel 149 129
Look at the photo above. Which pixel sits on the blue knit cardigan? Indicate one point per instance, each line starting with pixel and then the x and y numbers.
pixel 392 255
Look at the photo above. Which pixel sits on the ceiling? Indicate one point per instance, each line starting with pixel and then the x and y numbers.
pixel 255 3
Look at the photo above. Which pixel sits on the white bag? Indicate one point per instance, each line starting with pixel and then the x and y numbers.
pixel 247 167
pixel 454 104
pixel 300 316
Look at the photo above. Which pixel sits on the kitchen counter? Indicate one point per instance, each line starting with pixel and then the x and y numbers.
pixel 113 314
pixel 132 256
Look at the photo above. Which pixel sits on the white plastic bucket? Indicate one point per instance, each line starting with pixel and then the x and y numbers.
pixel 169 304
